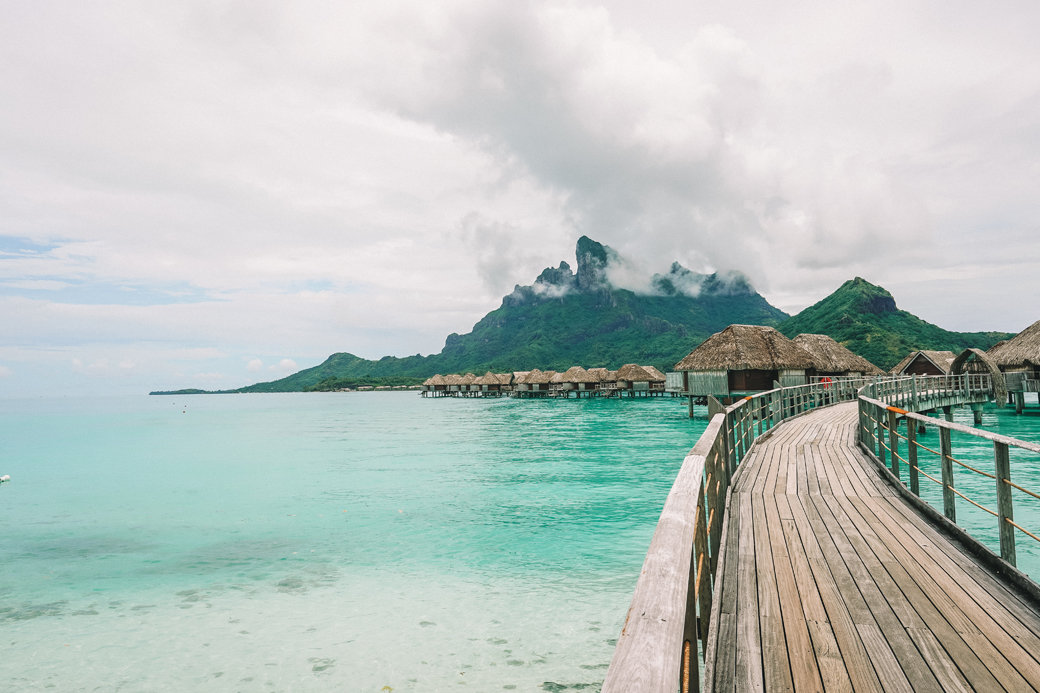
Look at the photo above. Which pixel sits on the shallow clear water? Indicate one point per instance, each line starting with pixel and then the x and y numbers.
pixel 325 542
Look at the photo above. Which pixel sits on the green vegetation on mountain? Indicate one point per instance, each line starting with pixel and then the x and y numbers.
pixel 566 318
pixel 864 318
pixel 570 318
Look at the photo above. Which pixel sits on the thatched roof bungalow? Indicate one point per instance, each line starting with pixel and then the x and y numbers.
pixel 658 376
pixel 1021 352
pixel 743 359
pixel 925 362
pixel 535 381
pixel 978 361
pixel 832 359
pixel 575 378
pixel 635 377
pixel 436 383
pixel 1019 359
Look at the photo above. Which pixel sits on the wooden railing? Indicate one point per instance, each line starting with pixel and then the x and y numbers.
pixel 883 404
pixel 661 645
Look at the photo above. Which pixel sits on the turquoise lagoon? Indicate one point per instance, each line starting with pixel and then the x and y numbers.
pixel 320 542
pixel 349 542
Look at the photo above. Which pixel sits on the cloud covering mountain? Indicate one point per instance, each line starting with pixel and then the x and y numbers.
pixel 188 188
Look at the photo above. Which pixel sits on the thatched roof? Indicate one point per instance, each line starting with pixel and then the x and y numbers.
pixel 518 376
pixel 983 360
pixel 453 379
pixel 602 375
pixel 658 376
pixel 435 380
pixel 831 357
pixel 467 379
pixel 1021 351
pixel 575 374
pixel 746 347
pixel 537 377
pixel 503 378
pixel 943 360
pixel 631 373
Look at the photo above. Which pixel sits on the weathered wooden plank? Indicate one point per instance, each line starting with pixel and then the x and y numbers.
pixel 831 665
pixel 1004 652
pixel 885 663
pixel 939 662
pixel 837 585
pixel 1021 621
pixel 748 675
pixel 804 671
pixel 857 663
pixel 776 669
pixel 880 604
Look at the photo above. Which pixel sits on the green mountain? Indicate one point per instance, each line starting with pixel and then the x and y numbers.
pixel 565 318
pixel 864 318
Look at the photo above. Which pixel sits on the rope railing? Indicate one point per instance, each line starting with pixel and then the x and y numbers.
pixel 883 403
pixel 662 643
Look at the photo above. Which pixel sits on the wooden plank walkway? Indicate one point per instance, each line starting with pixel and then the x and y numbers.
pixel 831 582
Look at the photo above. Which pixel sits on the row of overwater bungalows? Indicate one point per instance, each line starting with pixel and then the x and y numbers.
pixel 630 380
pixel 744 359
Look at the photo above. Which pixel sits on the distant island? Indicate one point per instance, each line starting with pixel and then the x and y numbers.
pixel 570 317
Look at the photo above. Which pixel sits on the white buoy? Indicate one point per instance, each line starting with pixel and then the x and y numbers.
pixel 5 477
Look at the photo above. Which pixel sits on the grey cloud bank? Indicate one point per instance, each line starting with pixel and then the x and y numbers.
pixel 190 190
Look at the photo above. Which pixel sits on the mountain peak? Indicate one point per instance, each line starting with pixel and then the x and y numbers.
pixel 593 258
pixel 866 297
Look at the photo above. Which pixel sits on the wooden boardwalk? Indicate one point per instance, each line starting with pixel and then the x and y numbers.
pixel 830 581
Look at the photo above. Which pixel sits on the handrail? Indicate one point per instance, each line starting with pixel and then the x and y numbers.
pixel 883 403
pixel 669 616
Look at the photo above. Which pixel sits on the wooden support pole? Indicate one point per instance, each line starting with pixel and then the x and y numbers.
pixel 948 411
pixel 893 442
pixel 949 497
pixel 1005 511
pixel 976 411
pixel 1020 402
pixel 911 456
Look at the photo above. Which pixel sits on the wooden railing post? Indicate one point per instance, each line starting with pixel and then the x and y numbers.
pixel 949 497
pixel 1005 511
pixel 893 442
pixel 880 416
pixel 911 455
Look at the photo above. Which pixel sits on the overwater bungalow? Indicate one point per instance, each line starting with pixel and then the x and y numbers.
pixel 466 384
pixel 739 361
pixel 978 361
pixel 833 360
pixel 1019 359
pixel 516 377
pixel 639 381
pixel 575 380
pixel 535 384
pixel 925 362
pixel 435 386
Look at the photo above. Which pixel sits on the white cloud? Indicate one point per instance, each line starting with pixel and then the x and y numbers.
pixel 255 365
pixel 266 179
pixel 284 367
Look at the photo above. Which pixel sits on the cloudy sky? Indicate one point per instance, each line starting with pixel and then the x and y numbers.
pixel 210 194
